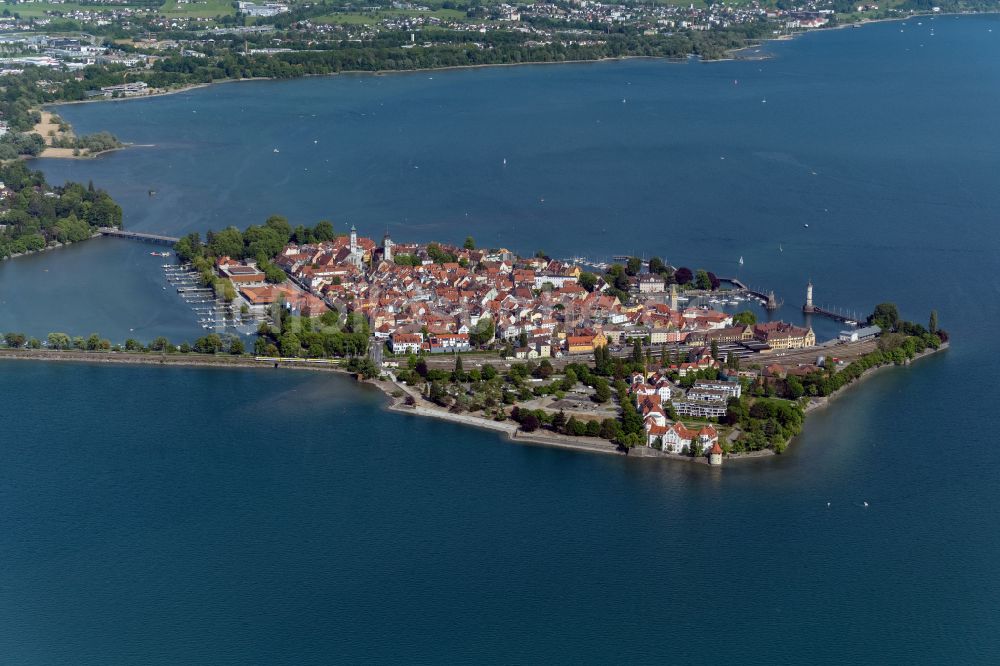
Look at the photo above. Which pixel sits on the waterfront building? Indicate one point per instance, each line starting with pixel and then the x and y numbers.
pixel 677 437
pixel 781 335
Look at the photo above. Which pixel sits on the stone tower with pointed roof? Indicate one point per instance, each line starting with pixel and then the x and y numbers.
pixel 715 454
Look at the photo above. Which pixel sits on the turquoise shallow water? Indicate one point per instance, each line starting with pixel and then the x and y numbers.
pixel 165 515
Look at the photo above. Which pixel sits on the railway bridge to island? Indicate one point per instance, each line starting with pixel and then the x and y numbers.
pixel 157 239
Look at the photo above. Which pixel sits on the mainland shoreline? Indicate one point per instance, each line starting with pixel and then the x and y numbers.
pixel 730 56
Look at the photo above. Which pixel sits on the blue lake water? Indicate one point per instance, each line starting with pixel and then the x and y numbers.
pixel 167 516
pixel 884 142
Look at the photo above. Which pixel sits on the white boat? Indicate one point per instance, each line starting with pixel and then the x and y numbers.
pixel 741 260
pixel 806 225
pixel 276 150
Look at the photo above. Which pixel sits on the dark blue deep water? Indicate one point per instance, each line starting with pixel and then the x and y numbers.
pixel 191 516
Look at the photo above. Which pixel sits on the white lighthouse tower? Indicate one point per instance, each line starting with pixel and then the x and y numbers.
pixel 808 307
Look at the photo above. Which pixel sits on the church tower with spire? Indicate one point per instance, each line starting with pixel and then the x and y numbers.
pixel 357 254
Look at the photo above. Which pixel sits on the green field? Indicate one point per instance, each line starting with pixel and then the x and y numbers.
pixel 194 8
pixel 37 9
pixel 356 18
pixel 198 8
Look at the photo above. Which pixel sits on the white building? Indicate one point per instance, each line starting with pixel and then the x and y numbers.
pixel 866 333
pixel 711 410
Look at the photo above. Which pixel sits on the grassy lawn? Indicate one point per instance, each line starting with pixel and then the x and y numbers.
pixel 198 8
pixel 357 18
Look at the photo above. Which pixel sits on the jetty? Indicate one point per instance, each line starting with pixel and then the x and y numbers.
pixel 771 303
pixel 832 313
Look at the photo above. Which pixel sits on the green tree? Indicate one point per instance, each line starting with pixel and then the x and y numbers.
pixel 210 344
pixel 544 369
pixel 15 340
pixel 885 316
pixel 280 224
pixel 715 349
pixel 226 243
pixel 618 278
pixel 559 421
pixel 637 354
pixel 744 318
pixel 188 248
pixel 587 280
pixel 483 332
pixel 160 344
pixel 290 344
pixel 469 244
pixel 324 231
pixel 932 325
pixel 702 281
pixel 58 341
pixel 633 266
